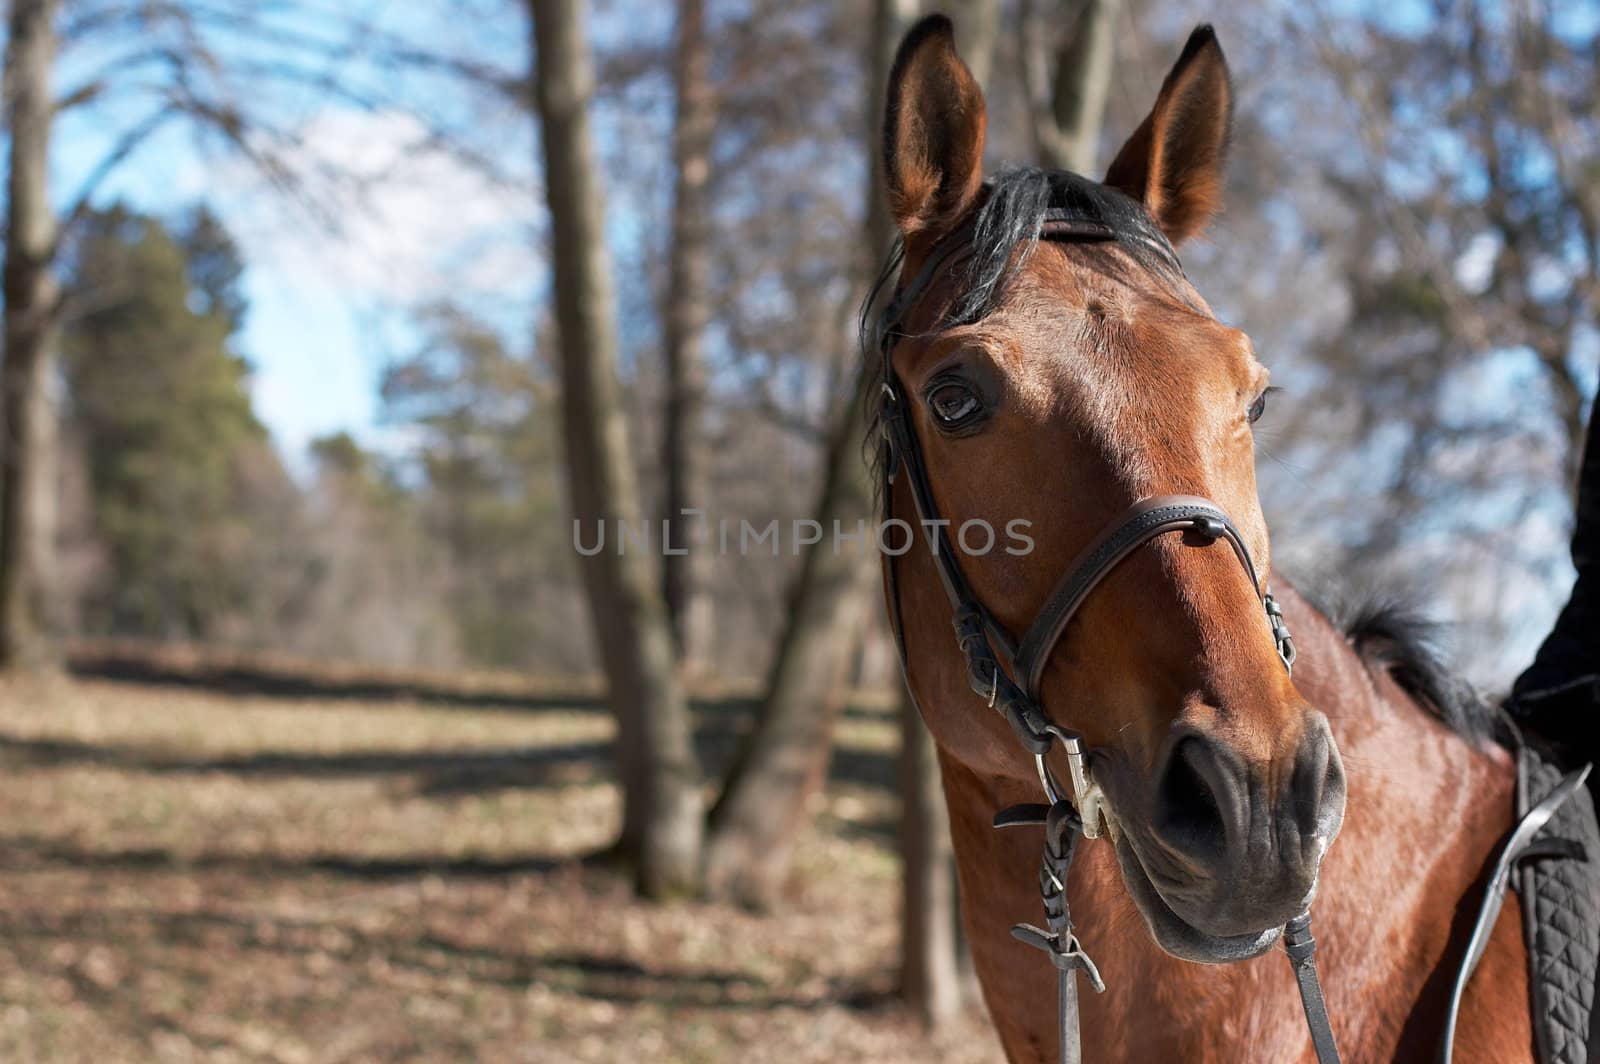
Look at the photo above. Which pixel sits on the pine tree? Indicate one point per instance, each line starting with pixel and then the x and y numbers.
pixel 160 401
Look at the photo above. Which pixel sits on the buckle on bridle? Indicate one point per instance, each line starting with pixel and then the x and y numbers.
pixel 1280 631
pixel 888 402
pixel 1086 797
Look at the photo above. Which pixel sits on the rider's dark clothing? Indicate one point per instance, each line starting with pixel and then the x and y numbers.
pixel 1558 697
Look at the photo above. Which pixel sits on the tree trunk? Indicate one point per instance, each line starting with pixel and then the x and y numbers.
pixel 662 811
pixel 785 761
pixel 932 965
pixel 930 968
pixel 768 791
pixel 977 32
pixel 1068 102
pixel 30 328
pixel 683 576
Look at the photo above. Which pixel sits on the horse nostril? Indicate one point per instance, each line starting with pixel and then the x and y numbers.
pixel 1189 809
pixel 1318 788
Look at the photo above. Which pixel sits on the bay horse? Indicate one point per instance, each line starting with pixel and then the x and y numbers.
pixel 1062 382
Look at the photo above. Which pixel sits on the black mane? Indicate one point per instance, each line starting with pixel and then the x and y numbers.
pixel 1390 634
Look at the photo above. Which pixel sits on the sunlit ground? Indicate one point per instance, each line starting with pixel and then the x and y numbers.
pixel 186 876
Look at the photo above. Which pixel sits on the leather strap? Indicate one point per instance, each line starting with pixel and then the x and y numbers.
pixel 1136 526
pixel 1519 845
pixel 1301 948
pixel 1061 830
pixel 976 629
pixel 1067 1022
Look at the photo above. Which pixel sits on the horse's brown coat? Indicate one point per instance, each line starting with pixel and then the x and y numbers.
pixel 1110 387
pixel 1423 814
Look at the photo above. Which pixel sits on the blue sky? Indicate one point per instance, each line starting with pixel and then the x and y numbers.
pixel 331 304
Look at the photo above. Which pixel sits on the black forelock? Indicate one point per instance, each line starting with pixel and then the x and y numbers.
pixel 1015 205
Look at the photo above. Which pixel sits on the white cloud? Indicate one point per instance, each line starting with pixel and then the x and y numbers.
pixel 330 305
pixel 406 214
pixel 1475 266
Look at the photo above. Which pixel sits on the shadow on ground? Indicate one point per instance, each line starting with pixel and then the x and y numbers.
pixel 27 852
pixel 439 772
pixel 596 975
pixel 243 678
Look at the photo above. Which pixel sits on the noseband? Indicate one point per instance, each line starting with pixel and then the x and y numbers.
pixel 1015 689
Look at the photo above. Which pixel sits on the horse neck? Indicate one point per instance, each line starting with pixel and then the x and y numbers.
pixel 1424 810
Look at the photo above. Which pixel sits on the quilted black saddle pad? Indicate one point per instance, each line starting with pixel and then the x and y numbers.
pixel 1561 919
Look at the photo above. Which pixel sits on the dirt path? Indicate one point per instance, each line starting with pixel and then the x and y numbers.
pixel 185 876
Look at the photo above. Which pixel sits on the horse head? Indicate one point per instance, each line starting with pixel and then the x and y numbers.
pixel 1051 385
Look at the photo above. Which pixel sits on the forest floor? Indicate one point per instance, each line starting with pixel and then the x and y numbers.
pixel 186 875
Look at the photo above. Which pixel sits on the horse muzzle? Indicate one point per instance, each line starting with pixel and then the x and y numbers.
pixel 1228 851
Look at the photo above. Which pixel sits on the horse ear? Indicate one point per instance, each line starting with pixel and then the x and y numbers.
pixel 1173 163
pixel 933 130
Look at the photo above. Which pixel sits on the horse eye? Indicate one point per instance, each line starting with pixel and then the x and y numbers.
pixel 953 405
pixel 1257 408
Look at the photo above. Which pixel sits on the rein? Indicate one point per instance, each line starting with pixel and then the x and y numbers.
pixel 1014 691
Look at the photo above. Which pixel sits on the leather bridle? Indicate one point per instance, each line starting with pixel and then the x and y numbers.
pixel 1014 689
